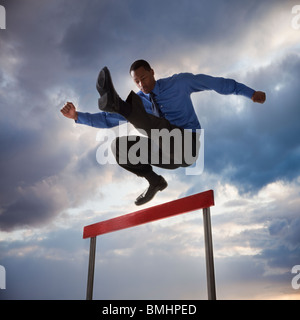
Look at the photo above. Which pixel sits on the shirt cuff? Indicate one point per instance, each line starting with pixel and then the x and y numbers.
pixel 245 91
pixel 249 93
pixel 83 118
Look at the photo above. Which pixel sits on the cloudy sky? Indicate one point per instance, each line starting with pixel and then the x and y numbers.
pixel 52 185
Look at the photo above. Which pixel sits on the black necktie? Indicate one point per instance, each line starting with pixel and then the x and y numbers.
pixel 155 107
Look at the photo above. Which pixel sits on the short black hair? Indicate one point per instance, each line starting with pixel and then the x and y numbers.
pixel 140 63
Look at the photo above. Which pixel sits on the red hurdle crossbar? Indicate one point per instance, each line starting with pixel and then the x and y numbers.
pixel 203 200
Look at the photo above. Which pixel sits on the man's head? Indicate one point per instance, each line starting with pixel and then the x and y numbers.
pixel 143 75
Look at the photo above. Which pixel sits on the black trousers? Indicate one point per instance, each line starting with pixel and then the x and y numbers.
pixel 163 145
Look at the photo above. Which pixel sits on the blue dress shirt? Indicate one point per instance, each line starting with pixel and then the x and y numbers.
pixel 173 96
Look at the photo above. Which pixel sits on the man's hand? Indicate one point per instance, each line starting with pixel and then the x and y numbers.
pixel 259 97
pixel 69 111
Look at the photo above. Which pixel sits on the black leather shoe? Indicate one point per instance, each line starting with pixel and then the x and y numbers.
pixel 149 193
pixel 109 101
pixel 104 82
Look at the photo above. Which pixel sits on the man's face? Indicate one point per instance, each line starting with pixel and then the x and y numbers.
pixel 144 79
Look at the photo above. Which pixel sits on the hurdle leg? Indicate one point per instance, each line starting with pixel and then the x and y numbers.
pixel 90 280
pixel 210 270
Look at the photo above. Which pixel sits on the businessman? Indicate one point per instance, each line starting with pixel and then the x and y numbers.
pixel 159 106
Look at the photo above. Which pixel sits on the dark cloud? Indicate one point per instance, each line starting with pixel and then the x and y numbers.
pixel 32 207
pixel 51 52
pixel 40 164
pixel 115 33
pixel 37 278
pixel 41 179
pixel 259 144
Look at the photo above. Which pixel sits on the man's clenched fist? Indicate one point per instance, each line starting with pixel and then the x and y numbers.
pixel 69 111
pixel 259 97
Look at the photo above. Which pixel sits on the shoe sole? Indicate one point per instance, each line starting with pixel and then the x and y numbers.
pixel 100 82
pixel 102 79
pixel 106 103
pixel 100 85
pixel 102 102
pixel 160 189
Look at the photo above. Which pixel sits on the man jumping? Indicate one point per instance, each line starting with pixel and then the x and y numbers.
pixel 160 106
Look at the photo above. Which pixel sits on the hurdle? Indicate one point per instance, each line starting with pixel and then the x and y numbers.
pixel 203 200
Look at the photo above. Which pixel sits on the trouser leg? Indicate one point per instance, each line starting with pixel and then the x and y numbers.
pixel 138 163
pixel 143 120
pixel 161 131
pixel 138 154
pixel 166 145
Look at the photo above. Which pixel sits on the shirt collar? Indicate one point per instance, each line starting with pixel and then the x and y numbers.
pixel 156 89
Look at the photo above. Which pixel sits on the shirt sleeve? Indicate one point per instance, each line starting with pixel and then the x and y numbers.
pixel 100 119
pixel 200 82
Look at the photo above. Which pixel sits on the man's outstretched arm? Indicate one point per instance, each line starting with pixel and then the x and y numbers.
pixel 221 85
pixel 97 120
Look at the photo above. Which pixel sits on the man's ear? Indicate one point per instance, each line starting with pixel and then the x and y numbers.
pixel 152 72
